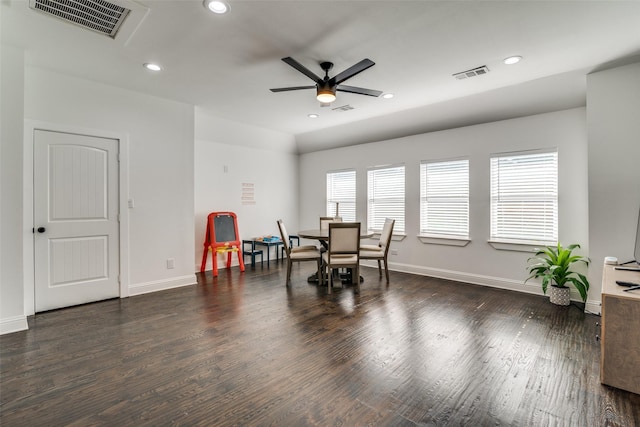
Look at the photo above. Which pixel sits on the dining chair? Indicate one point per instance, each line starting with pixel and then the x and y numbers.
pixel 324 225
pixel 298 253
pixel 380 251
pixel 326 220
pixel 343 251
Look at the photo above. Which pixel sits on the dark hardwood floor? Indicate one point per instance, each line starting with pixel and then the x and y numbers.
pixel 245 350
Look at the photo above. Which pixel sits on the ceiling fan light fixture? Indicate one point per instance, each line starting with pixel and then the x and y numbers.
pixel 216 6
pixel 326 87
pixel 326 96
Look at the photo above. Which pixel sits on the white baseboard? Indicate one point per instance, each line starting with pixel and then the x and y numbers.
pixel 475 279
pixel 13 324
pixel 161 285
pixel 592 306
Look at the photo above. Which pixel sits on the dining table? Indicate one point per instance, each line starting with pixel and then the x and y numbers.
pixel 322 235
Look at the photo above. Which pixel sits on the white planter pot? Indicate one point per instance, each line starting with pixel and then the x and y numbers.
pixel 559 296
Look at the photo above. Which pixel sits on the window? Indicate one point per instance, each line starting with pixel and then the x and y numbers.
pixel 524 197
pixel 386 197
pixel 444 198
pixel 341 194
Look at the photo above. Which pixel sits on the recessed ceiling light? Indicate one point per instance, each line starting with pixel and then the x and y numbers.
pixel 512 60
pixel 313 116
pixel 152 66
pixel 216 6
pixel 387 95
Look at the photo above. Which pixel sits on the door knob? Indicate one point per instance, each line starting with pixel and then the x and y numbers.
pixel 41 229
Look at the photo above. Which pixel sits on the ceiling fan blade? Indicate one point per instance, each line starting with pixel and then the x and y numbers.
pixel 352 71
pixel 358 90
pixel 304 70
pixel 284 89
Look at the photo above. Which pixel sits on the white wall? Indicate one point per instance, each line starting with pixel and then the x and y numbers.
pixel 160 157
pixel 478 262
pixel 613 113
pixel 12 317
pixel 228 154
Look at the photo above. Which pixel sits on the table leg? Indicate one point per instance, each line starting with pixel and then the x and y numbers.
pixel 347 278
pixel 253 249
pixel 253 253
pixel 268 254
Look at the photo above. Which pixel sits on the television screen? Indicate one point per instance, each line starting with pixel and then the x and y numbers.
pixel 636 251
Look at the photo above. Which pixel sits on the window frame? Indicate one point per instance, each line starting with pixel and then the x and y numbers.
pixel 547 197
pixel 331 199
pixel 399 199
pixel 444 236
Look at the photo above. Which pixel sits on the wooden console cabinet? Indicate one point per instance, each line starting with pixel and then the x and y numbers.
pixel 620 343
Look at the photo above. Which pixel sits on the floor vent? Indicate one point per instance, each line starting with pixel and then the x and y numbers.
pixel 95 15
pixel 471 73
pixel 343 108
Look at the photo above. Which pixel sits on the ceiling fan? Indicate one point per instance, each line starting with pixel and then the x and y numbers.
pixel 326 87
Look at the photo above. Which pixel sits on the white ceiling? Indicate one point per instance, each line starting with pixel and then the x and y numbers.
pixel 226 64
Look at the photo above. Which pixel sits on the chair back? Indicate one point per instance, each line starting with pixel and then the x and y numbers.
pixel 387 232
pixel 344 238
pixel 284 236
pixel 326 220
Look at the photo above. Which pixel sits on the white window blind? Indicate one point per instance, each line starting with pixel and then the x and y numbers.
pixel 341 189
pixel 385 197
pixel 444 198
pixel 524 197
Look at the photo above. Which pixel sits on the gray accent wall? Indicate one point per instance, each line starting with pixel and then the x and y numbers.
pixel 613 123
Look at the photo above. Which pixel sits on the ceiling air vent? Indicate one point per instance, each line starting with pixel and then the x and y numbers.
pixel 471 73
pixel 343 108
pixel 95 15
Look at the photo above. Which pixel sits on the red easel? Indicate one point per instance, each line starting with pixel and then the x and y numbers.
pixel 221 237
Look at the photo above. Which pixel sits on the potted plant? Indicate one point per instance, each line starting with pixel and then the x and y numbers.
pixel 553 265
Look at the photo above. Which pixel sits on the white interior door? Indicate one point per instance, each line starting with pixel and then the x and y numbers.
pixel 75 219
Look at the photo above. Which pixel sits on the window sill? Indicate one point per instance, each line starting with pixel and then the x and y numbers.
pixel 444 240
pixel 394 237
pixel 519 245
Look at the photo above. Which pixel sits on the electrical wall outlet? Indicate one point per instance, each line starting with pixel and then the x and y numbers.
pixel 170 263
pixel 394 252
